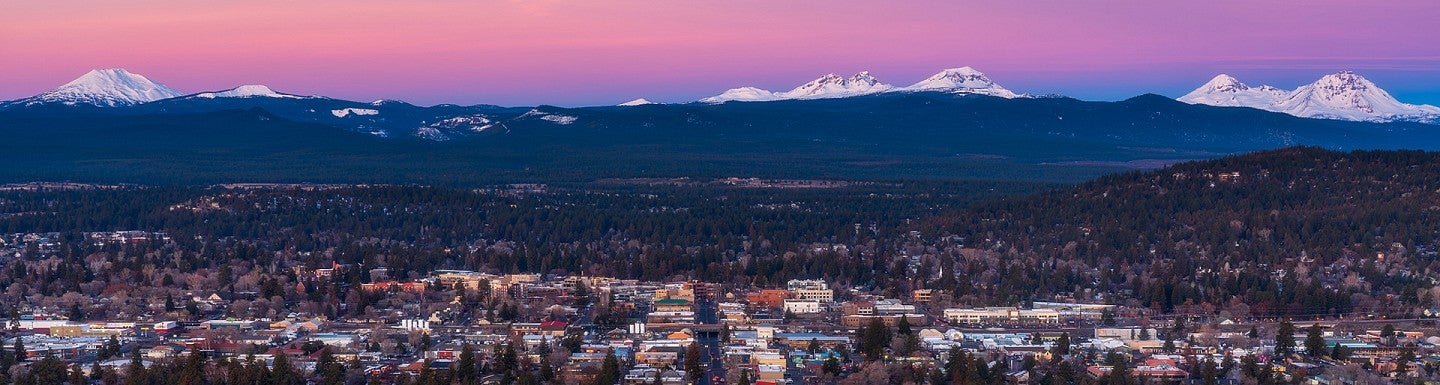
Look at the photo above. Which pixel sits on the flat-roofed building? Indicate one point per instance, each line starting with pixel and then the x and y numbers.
pixel 1002 315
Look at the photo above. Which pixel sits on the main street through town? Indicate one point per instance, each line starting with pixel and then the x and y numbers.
pixel 710 343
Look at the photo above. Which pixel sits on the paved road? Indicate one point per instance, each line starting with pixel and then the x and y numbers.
pixel 709 342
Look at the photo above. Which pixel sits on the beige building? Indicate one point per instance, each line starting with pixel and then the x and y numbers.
pixel 1002 315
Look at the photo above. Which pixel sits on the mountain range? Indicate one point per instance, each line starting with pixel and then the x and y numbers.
pixel 116 126
pixel 963 80
pixel 1343 95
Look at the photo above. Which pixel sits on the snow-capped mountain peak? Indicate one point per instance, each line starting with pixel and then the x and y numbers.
pixel 836 86
pixel 246 91
pixel 1343 95
pixel 105 88
pixel 1227 91
pixel 743 94
pixel 961 80
pixel 1346 89
pixel 1224 83
pixel 636 102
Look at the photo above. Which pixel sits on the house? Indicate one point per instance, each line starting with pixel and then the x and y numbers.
pixel 215 298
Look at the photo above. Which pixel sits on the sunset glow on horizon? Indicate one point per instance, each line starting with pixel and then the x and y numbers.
pixel 595 53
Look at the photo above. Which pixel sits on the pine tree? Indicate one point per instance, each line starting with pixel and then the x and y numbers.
pixel 875 339
pixel 135 373
pixel 1285 340
pixel 96 371
pixel 1119 369
pixel 1315 342
pixel 509 360
pixel 6 360
pixel 465 368
pixel 1062 345
pixel 1402 363
pixel 957 369
pixel 19 351
pixel 692 362
pixel 192 371
pixel 77 376
pixel 76 314
pixel 609 370
pixel 1339 352
pixel 112 348
pixel 547 372
pixel 1209 373
pixel 283 373
pixel 331 372
pixel 831 366
pixel 49 370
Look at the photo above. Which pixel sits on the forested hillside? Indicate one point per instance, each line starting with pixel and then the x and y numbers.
pixel 1297 231
pixel 1290 231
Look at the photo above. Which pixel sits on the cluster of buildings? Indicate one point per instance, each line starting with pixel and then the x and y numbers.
pixel 768 335
pixel 16 245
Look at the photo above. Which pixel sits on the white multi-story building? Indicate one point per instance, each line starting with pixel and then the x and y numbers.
pixel 802 306
pixel 1002 315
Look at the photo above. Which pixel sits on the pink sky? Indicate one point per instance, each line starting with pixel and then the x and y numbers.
pixel 603 52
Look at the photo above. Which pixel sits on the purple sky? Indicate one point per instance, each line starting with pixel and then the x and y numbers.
pixel 524 52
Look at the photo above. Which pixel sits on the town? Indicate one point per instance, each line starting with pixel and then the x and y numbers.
pixel 456 326
pixel 634 282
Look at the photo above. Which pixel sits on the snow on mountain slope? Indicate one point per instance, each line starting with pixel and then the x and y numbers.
pixel 1348 96
pixel 454 127
pixel 104 88
pixel 743 94
pixel 1227 91
pixel 963 80
pixel 340 113
pixel 1343 95
pixel 247 91
pixel 834 86
pixel 475 123
pixel 636 102
pixel 546 116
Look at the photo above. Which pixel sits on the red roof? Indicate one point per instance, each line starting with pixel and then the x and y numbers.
pixel 553 324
